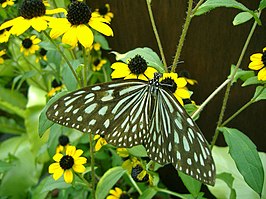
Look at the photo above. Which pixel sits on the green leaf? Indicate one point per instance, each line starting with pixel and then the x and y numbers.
pixel 51 184
pixel 246 157
pixel 240 74
pixel 262 4
pixel 148 54
pixel 225 163
pixel 6 106
pixel 228 179
pixel 212 4
pixel 138 151
pixel 252 80
pixel 68 77
pixel 102 41
pixel 241 18
pixel 148 193
pixel 5 166
pixel 191 184
pixel 9 125
pixel 108 180
pixel 260 94
pixel 13 97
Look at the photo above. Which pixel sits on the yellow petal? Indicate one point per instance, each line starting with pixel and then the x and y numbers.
pixel 59 27
pixel 38 23
pixel 101 27
pixel 183 93
pixel 150 72
pixel 54 167
pixel 100 143
pixel 181 82
pixel 78 168
pixel 262 74
pixel 55 11
pixel 123 71
pixel 256 57
pixel 85 36
pixel 111 197
pixel 142 77
pixel 131 76
pixel 57 157
pixel 119 66
pixel 80 160
pixel 77 153
pixel 18 28
pixel 179 99
pixel 58 174
pixel 70 150
pixel 96 16
pixel 11 22
pixel 68 176
pixel 70 37
pixel 256 65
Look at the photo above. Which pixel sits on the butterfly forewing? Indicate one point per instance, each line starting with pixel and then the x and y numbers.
pixel 111 110
pixel 174 137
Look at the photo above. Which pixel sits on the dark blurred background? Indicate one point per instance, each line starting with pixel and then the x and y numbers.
pixel 211 46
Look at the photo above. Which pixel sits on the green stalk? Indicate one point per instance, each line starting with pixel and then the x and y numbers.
pixel 156 34
pixel 134 183
pixel 183 35
pixel 228 88
pixel 64 56
pixel 86 65
pixel 92 167
pixel 170 192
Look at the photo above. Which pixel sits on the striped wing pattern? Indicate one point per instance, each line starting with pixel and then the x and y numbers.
pixel 128 113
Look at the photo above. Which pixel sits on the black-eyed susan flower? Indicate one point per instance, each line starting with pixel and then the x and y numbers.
pixel 187 76
pixel 7 3
pixel 177 85
pixel 122 152
pixel 56 87
pixel 96 46
pixel 41 55
pixel 258 62
pixel 100 142
pixel 63 141
pixel 2 52
pixel 117 193
pixel 32 14
pixel 105 12
pixel 66 164
pixel 30 45
pixel 4 35
pixel 98 63
pixel 137 68
pixel 76 26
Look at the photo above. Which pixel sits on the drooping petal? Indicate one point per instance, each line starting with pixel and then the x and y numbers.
pixel 131 76
pixel 59 27
pixel 85 36
pixel 262 74
pixel 100 143
pixel 179 99
pixel 98 17
pixel 150 72
pixel 143 77
pixel 70 150
pixel 121 70
pixel 256 65
pixel 57 157
pixel 18 28
pixel 101 27
pixel 70 37
pixel 78 168
pixel 11 22
pixel 183 93
pixel 39 23
pixel 68 176
pixel 80 160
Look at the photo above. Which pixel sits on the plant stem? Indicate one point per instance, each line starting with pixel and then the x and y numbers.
pixel 156 34
pixel 85 69
pixel 197 6
pixel 64 56
pixel 183 36
pixel 170 192
pixel 134 183
pixel 228 88
pixel 210 98
pixel 92 167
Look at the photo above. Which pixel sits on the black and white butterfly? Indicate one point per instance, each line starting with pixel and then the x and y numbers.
pixel 135 112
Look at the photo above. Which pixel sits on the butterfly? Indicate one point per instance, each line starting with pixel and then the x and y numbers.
pixel 136 112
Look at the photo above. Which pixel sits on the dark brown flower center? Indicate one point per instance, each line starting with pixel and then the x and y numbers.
pixel 66 162
pixel 32 8
pixel 78 13
pixel 124 196
pixel 263 58
pixel 43 52
pixel 55 83
pixel 169 83
pixel 136 171
pixel 63 140
pixel 137 65
pixel 103 10
pixel 96 62
pixel 27 43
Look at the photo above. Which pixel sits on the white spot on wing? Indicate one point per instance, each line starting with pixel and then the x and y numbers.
pixel 96 88
pixel 90 108
pixel 185 143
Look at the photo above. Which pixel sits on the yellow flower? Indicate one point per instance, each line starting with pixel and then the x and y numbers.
pixel 97 64
pixel 258 62
pixel 63 143
pixel 137 68
pixel 66 164
pixel 186 75
pixel 100 142
pixel 75 27
pixel 56 87
pixel 30 45
pixel 2 52
pixel 177 85
pixel 122 152
pixel 7 3
pixel 117 193
pixel 41 55
pixel 96 46
pixel 104 11
pixel 4 35
pixel 32 14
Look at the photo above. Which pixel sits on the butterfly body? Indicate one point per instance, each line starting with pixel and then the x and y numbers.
pixel 135 112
